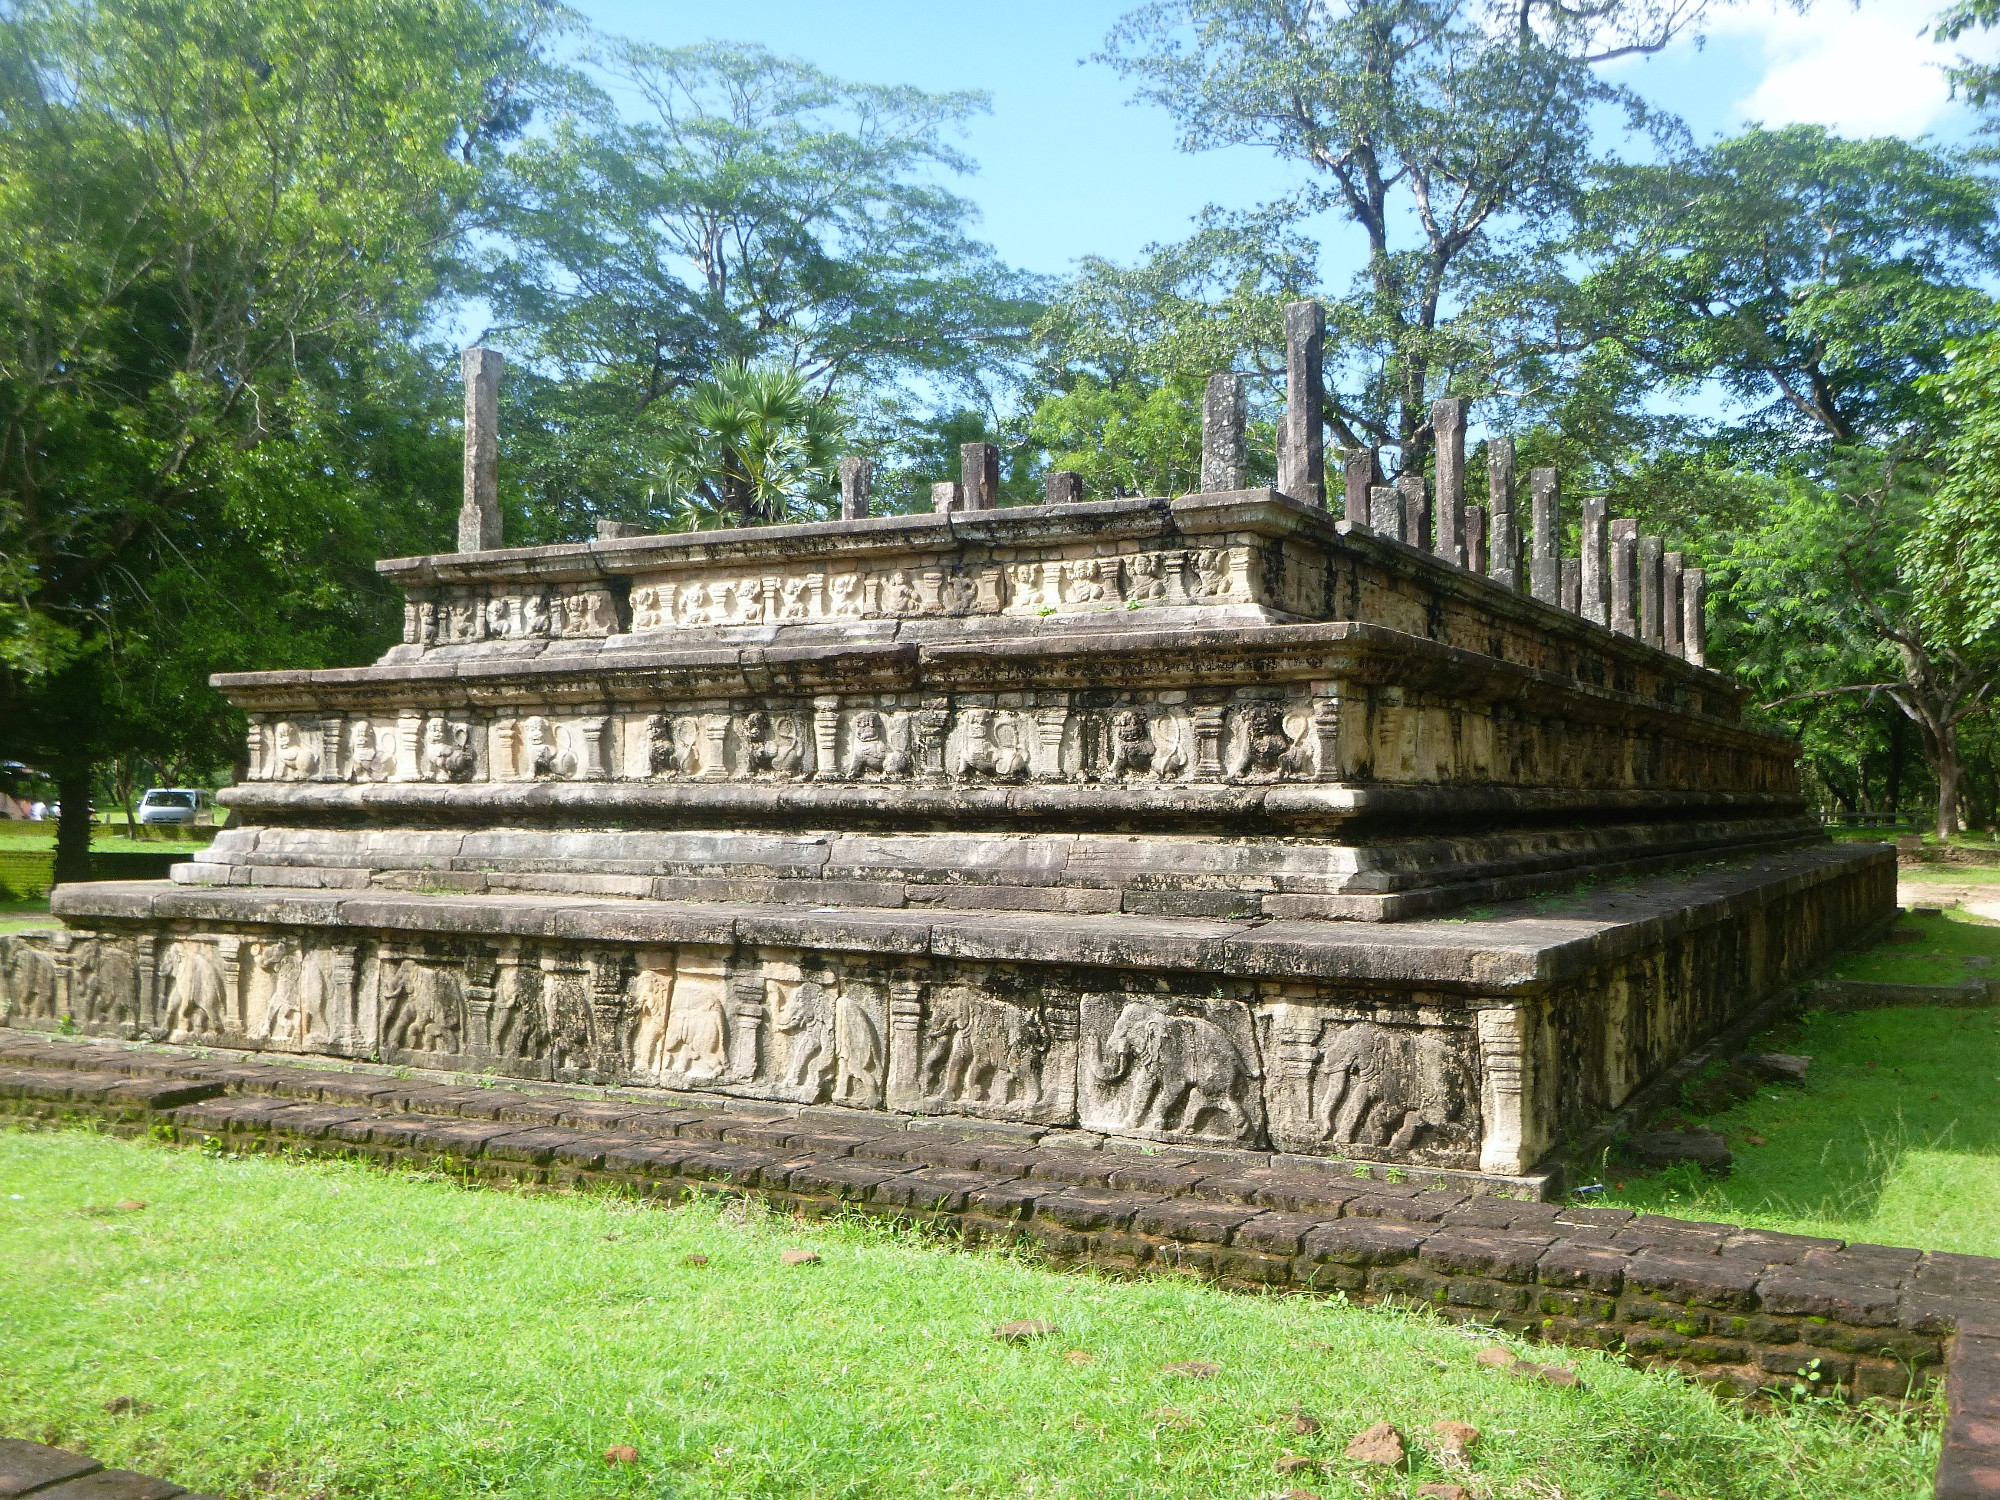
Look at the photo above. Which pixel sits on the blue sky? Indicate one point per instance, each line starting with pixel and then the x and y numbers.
pixel 1068 167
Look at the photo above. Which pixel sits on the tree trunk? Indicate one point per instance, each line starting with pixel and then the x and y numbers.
pixel 73 780
pixel 1896 740
pixel 1949 771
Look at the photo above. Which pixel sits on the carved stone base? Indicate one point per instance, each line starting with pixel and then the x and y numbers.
pixel 1477 1044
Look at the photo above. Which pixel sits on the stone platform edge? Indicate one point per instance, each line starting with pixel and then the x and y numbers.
pixel 56 1474
pixel 1741 1310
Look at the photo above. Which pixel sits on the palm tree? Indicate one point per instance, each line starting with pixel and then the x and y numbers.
pixel 749 445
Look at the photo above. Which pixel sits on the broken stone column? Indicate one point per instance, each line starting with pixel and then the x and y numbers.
pixel 1594 603
pixel 1361 471
pixel 1225 464
pixel 1625 577
pixel 1302 442
pixel 947 495
pixel 855 474
pixel 479 516
pixel 1448 526
pixel 1670 603
pixel 1385 511
pixel 1651 562
pixel 1475 538
pixel 1503 563
pixel 1065 487
pixel 611 531
pixel 1694 616
pixel 1545 569
pixel 979 469
pixel 1570 586
pixel 1416 510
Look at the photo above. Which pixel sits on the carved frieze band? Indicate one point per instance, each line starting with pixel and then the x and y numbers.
pixel 1394 1078
pixel 1241 736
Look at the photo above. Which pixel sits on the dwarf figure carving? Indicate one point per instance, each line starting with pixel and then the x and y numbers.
pixel 370 757
pixel 661 759
pixel 772 749
pixel 1146 582
pixel 541 755
pixel 293 758
pixel 992 747
pixel 447 755
pixel 898 598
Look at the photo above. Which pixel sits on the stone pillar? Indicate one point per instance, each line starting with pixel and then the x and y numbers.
pixel 947 495
pixel 1207 719
pixel 1416 511
pixel 1064 488
pixel 1361 471
pixel 1570 588
pixel 1694 616
pixel 855 473
pixel 1624 617
pixel 979 471
pixel 1545 567
pixel 1448 525
pixel 592 764
pixel 331 748
pixel 1385 511
pixel 610 1047
pixel 1302 445
pixel 343 1010
pixel 1595 603
pixel 906 1020
pixel 1651 562
pixel 409 747
pixel 479 516
pixel 1670 604
pixel 826 737
pixel 714 748
pixel 746 1009
pixel 1050 724
pixel 1224 463
pixel 1503 562
pixel 1475 539
pixel 1510 1143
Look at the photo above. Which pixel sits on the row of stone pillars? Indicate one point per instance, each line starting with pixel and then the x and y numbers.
pixel 1623 581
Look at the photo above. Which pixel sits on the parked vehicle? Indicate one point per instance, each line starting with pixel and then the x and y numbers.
pixel 175 805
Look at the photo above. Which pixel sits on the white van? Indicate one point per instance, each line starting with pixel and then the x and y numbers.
pixel 175 804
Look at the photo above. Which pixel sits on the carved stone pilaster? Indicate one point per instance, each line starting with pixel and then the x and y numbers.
pixel 1049 726
pixel 1207 720
pixel 504 740
pixel 331 747
pixel 343 1004
pixel 254 748
pixel 929 727
pixel 826 737
pixel 610 1046
pixel 592 761
pixel 478 976
pixel 991 596
pixel 906 1020
pixel 146 960
pixel 714 748
pixel 409 747
pixel 235 1006
pixel 1060 1006
pixel 1508 1143
pixel 1327 709
pixel 63 962
pixel 746 1031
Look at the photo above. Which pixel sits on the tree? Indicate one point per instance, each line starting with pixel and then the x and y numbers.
pixel 749 445
pixel 1837 593
pixel 221 222
pixel 760 212
pixel 1817 279
pixel 1454 136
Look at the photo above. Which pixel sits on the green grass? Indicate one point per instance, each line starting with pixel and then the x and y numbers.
pixel 1893 1139
pixel 25 916
pixel 1946 950
pixel 324 1329
pixel 105 838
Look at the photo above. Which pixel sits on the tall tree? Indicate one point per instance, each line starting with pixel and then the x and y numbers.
pixel 220 223
pixel 1453 135
pixel 1817 279
pixel 756 210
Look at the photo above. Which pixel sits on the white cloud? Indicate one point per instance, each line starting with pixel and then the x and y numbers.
pixel 1860 70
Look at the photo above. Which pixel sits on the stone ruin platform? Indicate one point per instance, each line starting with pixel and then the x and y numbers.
pixel 1213 822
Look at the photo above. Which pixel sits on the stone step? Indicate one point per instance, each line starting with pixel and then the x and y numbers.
pixel 55 1474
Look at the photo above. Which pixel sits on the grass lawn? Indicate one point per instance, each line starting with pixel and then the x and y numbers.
pixel 25 916
pixel 1894 1137
pixel 105 838
pixel 321 1329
